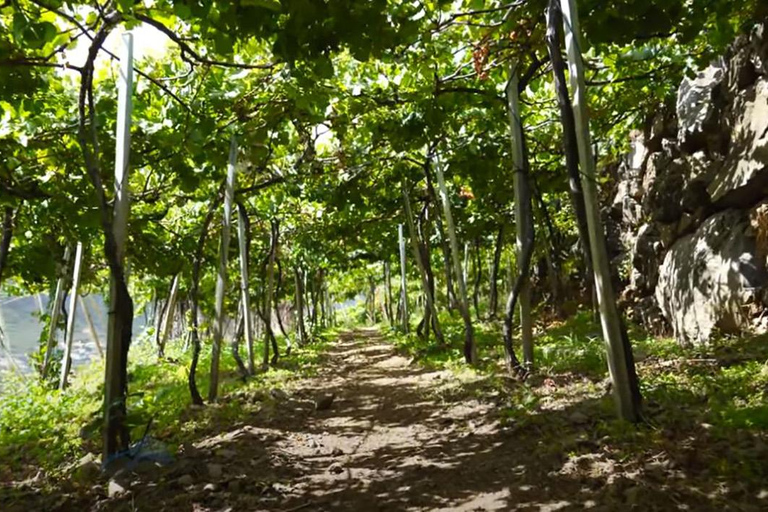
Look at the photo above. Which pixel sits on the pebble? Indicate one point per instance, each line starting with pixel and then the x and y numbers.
pixel 215 470
pixel 114 489
pixel 185 480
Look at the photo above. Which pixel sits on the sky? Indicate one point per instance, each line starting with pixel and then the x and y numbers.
pixel 147 42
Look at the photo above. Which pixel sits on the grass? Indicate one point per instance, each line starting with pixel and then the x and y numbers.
pixel 44 427
pixel 705 409
pixel 724 385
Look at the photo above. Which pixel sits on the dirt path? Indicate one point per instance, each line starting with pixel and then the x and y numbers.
pixel 389 442
pixel 386 443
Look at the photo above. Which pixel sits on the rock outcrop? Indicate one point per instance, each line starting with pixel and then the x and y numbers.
pixel 689 201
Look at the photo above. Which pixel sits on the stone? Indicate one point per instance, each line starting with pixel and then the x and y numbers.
pixel 702 167
pixel 115 488
pixel 631 495
pixel 324 402
pixel 579 418
pixel 686 224
pixel 210 487
pixel 707 277
pixel 185 480
pixel 663 125
pixel 663 199
pixel 215 470
pixel 697 110
pixel 743 178
pixel 87 469
pixel 335 468
pixel 645 258
pixel 655 165
pixel 667 234
pixel 742 66
pixel 278 394
pixel 226 453
pixel 145 467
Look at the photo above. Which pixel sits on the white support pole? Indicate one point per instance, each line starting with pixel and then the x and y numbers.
pixel 466 262
pixel 66 361
pixel 242 237
pixel 516 135
pixel 403 280
pixel 221 281
pixel 114 385
pixel 167 323
pixel 620 363
pixel 39 299
pixel 123 147
pixel 91 327
pixel 58 299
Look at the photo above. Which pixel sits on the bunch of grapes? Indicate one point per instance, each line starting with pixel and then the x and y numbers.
pixel 480 58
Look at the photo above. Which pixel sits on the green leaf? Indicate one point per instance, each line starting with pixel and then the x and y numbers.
pixel 272 5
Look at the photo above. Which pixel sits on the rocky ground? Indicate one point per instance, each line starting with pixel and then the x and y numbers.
pixel 373 431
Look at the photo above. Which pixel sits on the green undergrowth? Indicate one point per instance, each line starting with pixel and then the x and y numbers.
pixel 42 427
pixel 705 410
pixel 723 386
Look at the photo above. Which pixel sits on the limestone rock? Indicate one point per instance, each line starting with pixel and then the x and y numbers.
pixel 743 177
pixel 645 258
pixel 87 469
pixel 664 198
pixel 697 108
pixel 116 489
pixel 707 277
pixel 215 470
pixel 663 125
pixel 689 195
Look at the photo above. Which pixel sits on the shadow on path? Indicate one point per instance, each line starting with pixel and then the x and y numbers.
pixel 388 442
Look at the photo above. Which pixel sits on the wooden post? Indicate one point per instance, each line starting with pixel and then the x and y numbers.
pixel 242 238
pixel 66 362
pixel 516 134
pixel 91 327
pixel 470 351
pixel 422 270
pixel 55 312
pixel 403 281
pixel 167 322
pixel 620 359
pixel 221 281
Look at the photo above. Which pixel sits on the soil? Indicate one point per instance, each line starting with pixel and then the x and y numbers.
pixel 393 439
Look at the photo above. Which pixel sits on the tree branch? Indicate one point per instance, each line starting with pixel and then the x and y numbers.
pixel 264 184
pixel 186 49
pixel 154 81
pixel 642 76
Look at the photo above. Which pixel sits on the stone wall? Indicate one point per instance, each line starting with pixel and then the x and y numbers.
pixel 690 204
